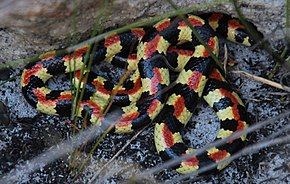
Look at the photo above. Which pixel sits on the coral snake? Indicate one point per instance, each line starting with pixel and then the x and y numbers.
pixel 147 96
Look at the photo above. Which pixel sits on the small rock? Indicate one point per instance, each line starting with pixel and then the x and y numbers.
pixel 4 116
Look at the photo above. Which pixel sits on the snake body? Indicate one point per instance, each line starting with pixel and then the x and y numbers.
pixel 148 94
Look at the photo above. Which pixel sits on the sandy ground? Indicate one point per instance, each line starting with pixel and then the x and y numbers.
pixel 29 133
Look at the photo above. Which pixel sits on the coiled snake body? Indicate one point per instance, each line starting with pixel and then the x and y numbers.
pixel 145 50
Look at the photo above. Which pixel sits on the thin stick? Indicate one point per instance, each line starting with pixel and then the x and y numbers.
pixel 263 80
